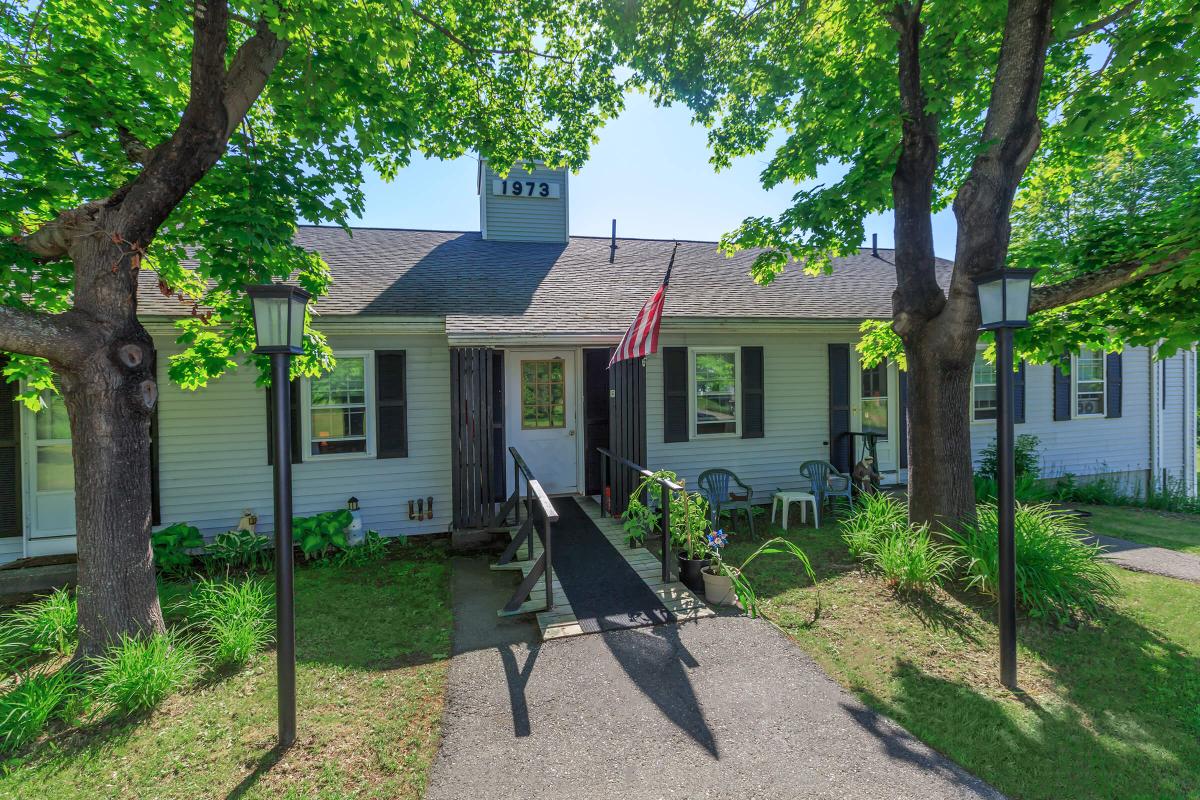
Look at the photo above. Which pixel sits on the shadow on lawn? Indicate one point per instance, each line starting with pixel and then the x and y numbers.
pixel 1130 726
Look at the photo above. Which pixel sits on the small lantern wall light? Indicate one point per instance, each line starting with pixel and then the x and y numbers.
pixel 278 311
pixel 1004 298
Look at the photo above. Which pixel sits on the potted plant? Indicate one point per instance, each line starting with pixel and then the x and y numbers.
pixel 689 537
pixel 725 584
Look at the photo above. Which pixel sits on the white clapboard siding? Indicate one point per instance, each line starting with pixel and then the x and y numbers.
pixel 524 219
pixel 11 548
pixel 213 450
pixel 1084 446
pixel 1177 440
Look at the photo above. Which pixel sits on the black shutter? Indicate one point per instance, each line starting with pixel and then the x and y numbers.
pixel 1112 375
pixel 391 404
pixel 839 406
pixel 1019 393
pixel 1062 391
pixel 499 454
pixel 675 394
pixel 753 380
pixel 902 390
pixel 297 455
pixel 10 457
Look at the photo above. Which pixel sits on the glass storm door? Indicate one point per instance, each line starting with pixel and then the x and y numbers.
pixel 49 472
pixel 540 412
pixel 873 412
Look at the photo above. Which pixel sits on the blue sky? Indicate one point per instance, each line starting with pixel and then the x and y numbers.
pixel 650 170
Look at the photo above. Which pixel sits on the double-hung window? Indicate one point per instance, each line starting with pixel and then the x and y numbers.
pixel 715 375
pixel 1088 378
pixel 984 399
pixel 339 414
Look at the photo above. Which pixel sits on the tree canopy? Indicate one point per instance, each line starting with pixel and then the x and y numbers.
pixel 822 83
pixel 90 88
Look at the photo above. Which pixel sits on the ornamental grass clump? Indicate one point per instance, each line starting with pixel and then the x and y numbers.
pixel 878 533
pixel 1059 574
pixel 27 707
pixel 46 627
pixel 235 618
pixel 136 675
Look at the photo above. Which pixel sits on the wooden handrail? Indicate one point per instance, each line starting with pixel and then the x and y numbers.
pixel 645 473
pixel 535 487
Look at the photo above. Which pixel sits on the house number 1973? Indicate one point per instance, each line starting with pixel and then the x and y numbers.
pixel 525 188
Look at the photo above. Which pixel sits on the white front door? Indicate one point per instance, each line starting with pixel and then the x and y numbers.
pixel 874 410
pixel 540 416
pixel 47 469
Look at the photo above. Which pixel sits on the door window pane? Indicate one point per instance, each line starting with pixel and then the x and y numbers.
pixel 874 399
pixel 1089 383
pixel 51 422
pixel 716 393
pixel 338 408
pixel 543 394
pixel 985 403
pixel 55 469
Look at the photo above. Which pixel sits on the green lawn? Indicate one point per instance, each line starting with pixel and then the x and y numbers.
pixel 1157 528
pixel 372 644
pixel 1109 710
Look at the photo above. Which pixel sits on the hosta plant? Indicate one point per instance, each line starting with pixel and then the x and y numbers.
pixel 173 547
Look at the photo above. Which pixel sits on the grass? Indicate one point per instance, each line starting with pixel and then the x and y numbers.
pixel 372 644
pixel 1108 710
pixel 1157 528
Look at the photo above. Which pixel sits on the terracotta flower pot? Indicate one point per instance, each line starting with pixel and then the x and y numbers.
pixel 718 589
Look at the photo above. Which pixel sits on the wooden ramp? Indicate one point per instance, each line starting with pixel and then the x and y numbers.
pixel 561 621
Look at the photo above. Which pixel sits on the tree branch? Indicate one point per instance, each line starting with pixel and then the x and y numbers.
pixel 62 338
pixel 1103 22
pixel 135 150
pixel 53 240
pixel 1092 284
pixel 452 36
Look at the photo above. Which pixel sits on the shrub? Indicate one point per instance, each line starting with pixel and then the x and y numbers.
pixel 1026 458
pixel 47 626
pixel 27 707
pixel 373 548
pixel 239 550
pixel 1058 572
pixel 172 545
pixel 1106 490
pixel 1028 489
pixel 910 561
pixel 236 616
pixel 321 534
pixel 137 674
pixel 873 515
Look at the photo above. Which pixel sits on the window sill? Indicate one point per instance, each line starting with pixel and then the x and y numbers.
pixel 311 459
pixel 1101 415
pixel 706 436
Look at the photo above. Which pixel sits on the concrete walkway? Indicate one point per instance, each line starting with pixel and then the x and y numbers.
pixel 1145 558
pixel 724 707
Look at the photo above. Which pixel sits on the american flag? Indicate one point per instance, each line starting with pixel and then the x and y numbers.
pixel 641 339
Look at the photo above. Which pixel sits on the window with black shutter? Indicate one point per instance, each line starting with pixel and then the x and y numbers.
pixel 675 394
pixel 391 404
pixel 753 394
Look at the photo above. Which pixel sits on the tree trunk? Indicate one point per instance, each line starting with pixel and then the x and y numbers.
pixel 941 491
pixel 110 396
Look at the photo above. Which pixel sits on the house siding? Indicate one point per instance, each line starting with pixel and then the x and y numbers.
pixel 213 450
pixel 1178 440
pixel 524 219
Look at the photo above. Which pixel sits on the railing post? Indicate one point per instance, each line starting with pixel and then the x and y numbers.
pixel 517 489
pixel 603 480
pixel 666 531
pixel 548 555
pixel 529 510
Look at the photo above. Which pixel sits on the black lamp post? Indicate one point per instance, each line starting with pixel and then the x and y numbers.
pixel 278 311
pixel 1003 306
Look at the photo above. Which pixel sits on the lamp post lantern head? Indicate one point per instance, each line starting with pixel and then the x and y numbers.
pixel 1004 298
pixel 278 311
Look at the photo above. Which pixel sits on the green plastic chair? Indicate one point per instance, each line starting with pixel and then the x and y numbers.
pixel 827 482
pixel 714 485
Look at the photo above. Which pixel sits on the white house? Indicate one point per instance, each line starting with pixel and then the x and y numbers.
pixel 452 346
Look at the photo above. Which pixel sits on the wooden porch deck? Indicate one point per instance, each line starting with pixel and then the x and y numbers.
pixel 561 621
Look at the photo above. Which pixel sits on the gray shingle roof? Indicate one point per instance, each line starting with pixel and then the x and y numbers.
pixel 485 287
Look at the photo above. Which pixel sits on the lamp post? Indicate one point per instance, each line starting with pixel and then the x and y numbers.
pixel 278 311
pixel 1004 306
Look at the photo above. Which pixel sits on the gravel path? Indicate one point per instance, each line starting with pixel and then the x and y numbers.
pixel 1144 558
pixel 721 708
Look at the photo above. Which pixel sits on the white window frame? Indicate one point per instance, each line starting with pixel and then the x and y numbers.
pixel 737 389
pixel 988 420
pixel 368 357
pixel 1103 386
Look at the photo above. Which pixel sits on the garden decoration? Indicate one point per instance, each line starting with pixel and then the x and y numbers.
pixel 866 478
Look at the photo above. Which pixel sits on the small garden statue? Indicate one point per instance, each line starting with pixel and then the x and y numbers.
pixel 249 520
pixel 865 476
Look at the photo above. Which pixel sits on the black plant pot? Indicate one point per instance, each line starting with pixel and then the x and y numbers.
pixel 689 572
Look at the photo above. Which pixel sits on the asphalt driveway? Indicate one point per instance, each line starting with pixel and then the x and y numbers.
pixel 721 708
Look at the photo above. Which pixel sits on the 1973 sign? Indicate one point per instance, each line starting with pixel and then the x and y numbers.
pixel 514 187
